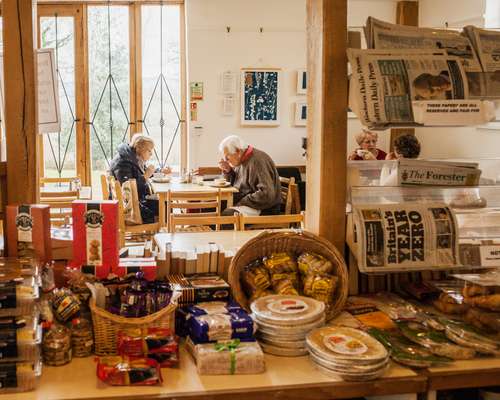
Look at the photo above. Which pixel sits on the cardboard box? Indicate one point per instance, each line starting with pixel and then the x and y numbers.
pixel 28 231
pixel 199 288
pixel 95 236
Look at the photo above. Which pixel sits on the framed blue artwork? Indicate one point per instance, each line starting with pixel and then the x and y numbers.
pixel 301 81
pixel 260 96
pixel 300 113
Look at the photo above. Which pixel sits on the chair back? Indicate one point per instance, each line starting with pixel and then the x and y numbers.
pixel 271 221
pixel 59 195
pixel 183 223
pixel 128 205
pixel 191 204
pixel 290 197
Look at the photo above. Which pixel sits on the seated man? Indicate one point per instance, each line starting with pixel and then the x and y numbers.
pixel 130 162
pixel 254 174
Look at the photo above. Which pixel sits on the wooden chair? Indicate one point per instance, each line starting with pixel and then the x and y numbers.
pixel 206 204
pixel 58 194
pixel 290 197
pixel 129 232
pixel 183 223
pixel 271 221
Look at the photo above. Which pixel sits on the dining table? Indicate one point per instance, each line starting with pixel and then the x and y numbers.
pixel 177 185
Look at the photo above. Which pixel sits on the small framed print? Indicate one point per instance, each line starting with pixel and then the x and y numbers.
pixel 301 81
pixel 301 113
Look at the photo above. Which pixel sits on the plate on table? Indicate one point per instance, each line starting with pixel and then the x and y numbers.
pixel 165 179
pixel 219 185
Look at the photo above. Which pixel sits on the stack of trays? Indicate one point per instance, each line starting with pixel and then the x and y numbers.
pixel 284 321
pixel 349 353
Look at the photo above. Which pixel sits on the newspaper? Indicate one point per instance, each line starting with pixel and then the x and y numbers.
pixel 384 83
pixel 439 173
pixel 487 46
pixel 383 36
pixel 405 236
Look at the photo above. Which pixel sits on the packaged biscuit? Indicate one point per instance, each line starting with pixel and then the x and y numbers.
pixel 314 264
pixel 95 236
pixel 19 376
pixel 320 287
pixel 159 344
pixel 255 278
pixel 125 371
pixel 223 326
pixel 28 228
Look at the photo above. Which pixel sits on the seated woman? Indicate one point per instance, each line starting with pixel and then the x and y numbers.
pixel 130 163
pixel 367 150
pixel 405 146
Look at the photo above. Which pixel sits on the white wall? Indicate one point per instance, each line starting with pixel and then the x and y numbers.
pixel 458 13
pixel 210 51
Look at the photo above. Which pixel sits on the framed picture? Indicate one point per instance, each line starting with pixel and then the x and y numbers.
pixel 260 96
pixel 301 81
pixel 301 113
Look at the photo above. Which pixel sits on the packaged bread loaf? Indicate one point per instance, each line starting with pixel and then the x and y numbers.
pixel 19 376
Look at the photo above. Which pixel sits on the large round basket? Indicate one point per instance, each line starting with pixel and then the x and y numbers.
pixel 107 325
pixel 294 242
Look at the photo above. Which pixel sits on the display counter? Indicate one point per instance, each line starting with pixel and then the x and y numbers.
pixel 284 378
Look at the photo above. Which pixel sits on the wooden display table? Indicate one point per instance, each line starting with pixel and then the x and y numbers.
pixel 285 378
pixel 465 374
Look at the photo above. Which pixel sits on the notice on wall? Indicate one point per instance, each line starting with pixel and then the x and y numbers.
pixel 196 91
pixel 228 82
pixel 193 108
pixel 228 105
pixel 49 114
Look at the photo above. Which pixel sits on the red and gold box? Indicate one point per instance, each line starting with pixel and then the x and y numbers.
pixel 28 231
pixel 95 236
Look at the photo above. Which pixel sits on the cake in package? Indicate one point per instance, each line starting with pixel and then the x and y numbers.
pixel 28 228
pixel 95 236
pixel 128 371
pixel 283 271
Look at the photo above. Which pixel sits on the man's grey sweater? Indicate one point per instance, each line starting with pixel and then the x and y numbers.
pixel 257 181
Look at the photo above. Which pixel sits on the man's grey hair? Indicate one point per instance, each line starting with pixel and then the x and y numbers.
pixel 232 143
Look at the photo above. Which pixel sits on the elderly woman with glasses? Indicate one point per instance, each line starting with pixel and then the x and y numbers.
pixel 367 150
pixel 254 174
pixel 130 162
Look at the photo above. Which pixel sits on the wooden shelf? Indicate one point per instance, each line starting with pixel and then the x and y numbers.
pixel 465 374
pixel 290 378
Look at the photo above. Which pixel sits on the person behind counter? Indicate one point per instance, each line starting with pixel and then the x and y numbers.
pixel 405 146
pixel 367 150
pixel 254 174
pixel 130 163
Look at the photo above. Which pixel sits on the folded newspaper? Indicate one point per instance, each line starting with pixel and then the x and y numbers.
pixel 384 83
pixel 405 237
pixel 439 173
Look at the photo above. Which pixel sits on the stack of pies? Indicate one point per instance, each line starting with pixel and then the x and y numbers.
pixel 346 352
pixel 284 321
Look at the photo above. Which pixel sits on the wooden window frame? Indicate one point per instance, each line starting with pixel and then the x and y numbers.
pixel 79 10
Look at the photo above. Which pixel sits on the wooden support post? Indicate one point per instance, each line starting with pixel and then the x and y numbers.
pixel 327 119
pixel 21 119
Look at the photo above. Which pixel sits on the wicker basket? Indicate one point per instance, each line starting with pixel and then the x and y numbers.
pixel 107 325
pixel 293 242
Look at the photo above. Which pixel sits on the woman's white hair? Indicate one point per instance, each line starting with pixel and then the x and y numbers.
pixel 140 140
pixel 232 143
